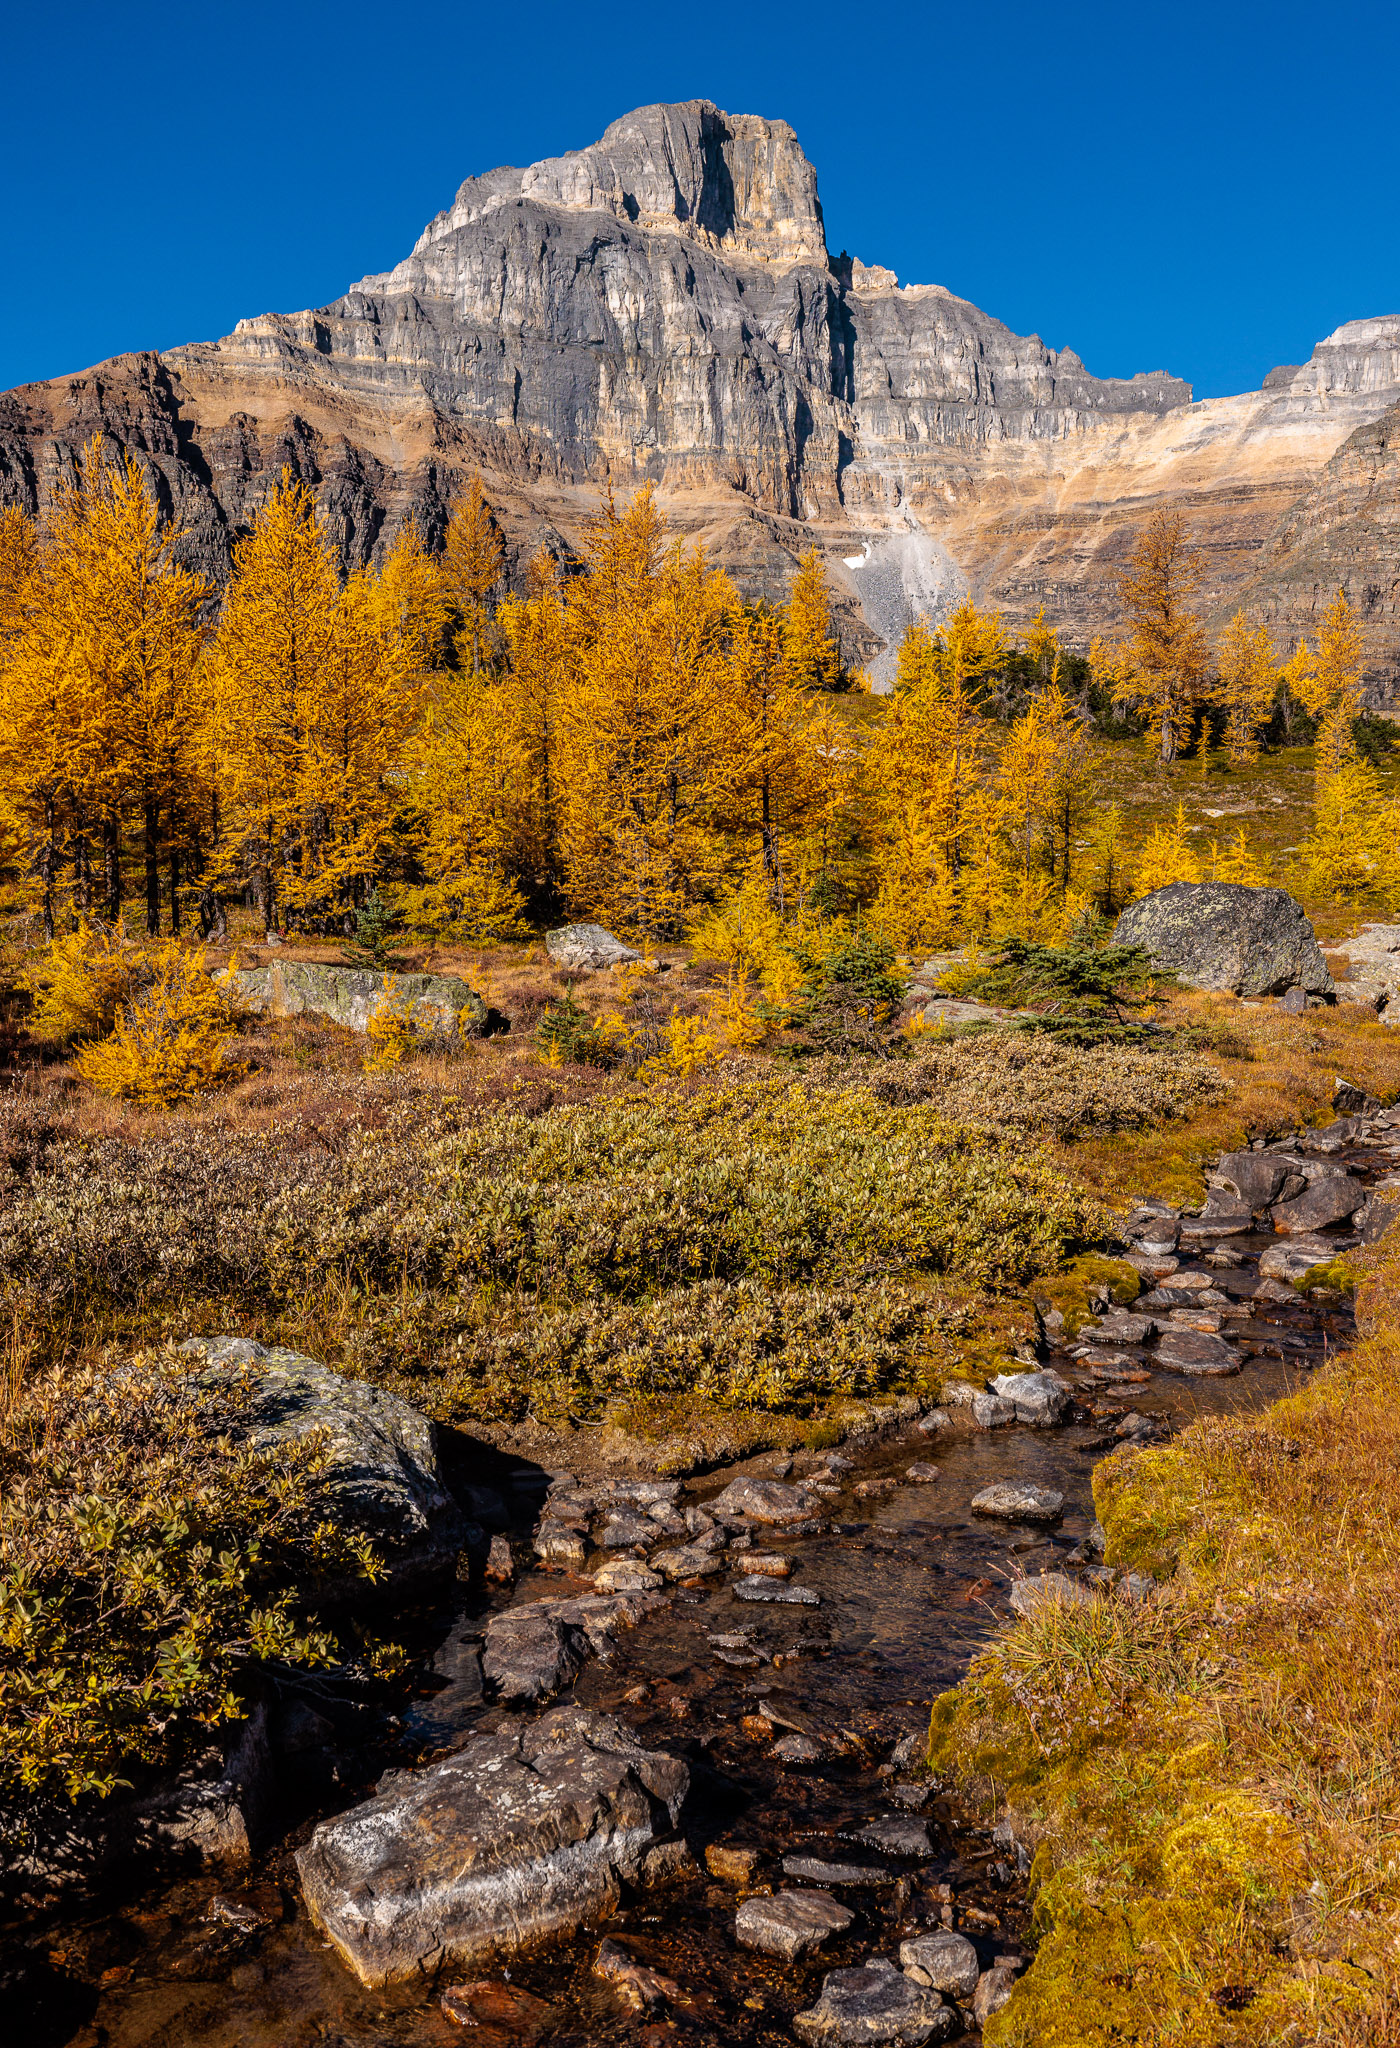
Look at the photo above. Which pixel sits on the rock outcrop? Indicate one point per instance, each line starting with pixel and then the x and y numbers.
pixel 662 306
pixel 519 1836
pixel 382 1476
pixel 1257 942
pixel 437 1005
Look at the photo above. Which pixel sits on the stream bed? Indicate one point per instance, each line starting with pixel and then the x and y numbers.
pixel 801 1724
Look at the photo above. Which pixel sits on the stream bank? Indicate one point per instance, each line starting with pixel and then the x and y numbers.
pixel 800 1722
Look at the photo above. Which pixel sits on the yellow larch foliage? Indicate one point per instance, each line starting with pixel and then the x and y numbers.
pixel 1161 670
pixel 171 1040
pixel 389 1032
pixel 77 985
pixel 810 656
pixel 473 561
pixel 1329 684
pixel 1353 851
pixel 1236 863
pixel 1247 685
pixel 1166 857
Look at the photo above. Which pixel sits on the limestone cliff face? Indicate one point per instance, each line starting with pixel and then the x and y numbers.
pixel 662 306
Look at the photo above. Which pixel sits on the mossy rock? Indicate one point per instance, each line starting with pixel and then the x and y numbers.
pixel 1073 1291
pixel 1340 1273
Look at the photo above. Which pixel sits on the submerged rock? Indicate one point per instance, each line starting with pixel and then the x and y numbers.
pixel 876 2003
pixel 762 1500
pixel 816 1870
pixel 1257 942
pixel 790 1924
pixel 519 1836
pixel 538 1648
pixel 777 1591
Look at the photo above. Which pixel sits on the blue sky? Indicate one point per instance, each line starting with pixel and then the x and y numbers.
pixel 1204 189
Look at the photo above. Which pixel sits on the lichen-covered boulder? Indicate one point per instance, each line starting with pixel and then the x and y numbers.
pixel 1257 942
pixel 438 1005
pixel 382 1475
pixel 521 1835
pixel 587 949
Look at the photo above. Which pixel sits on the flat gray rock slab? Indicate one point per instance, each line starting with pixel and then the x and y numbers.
pixel 816 1870
pixel 876 2003
pixel 1196 1353
pixel 1123 1328
pixel 520 1835
pixel 779 1592
pixel 382 1469
pixel 1295 1256
pixel 1017 1500
pixel 944 1961
pixel 438 1005
pixel 689 1562
pixel 790 1924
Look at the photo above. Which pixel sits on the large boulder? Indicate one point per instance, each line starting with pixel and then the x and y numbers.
pixel 383 1477
pixel 438 1005
pixel 521 1835
pixel 1257 942
pixel 587 949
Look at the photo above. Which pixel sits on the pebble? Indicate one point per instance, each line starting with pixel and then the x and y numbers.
pixel 626 1575
pixel 873 1489
pixel 768 1564
pixel 776 1590
pixel 1016 1500
pixel 896 1836
pixel 790 1924
pixel 504 2009
pixel 733 1864
pixel 690 1562
pixel 796 1749
pixel 921 1475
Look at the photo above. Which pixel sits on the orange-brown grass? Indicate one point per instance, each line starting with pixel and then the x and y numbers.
pixel 1212 1775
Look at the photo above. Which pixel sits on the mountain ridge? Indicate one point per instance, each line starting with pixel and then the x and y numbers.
pixel 662 306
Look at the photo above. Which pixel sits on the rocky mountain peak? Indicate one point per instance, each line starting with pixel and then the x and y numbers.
pixel 733 182
pixel 1360 355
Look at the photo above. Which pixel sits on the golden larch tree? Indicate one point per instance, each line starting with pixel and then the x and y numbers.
pixel 1162 670
pixel 1247 685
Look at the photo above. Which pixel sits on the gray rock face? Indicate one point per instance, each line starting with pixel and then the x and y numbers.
pixel 383 1461
pixel 816 1870
pixel 1289 1261
pixel 945 1962
pixel 876 2003
pixel 1257 942
pixel 519 1836
pixel 1322 1202
pixel 1257 1178
pixel 538 1648
pixel 1197 1354
pixel 1016 1500
pixel 897 1836
pixel 439 1005
pixel 994 1989
pixel 776 1592
pixel 790 1924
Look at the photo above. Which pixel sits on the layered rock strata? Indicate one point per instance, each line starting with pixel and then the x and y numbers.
pixel 662 306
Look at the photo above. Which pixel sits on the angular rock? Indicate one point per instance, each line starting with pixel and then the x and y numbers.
pixel 1257 1178
pixel 557 1544
pixel 1322 1202
pixel 994 1989
pixel 1123 1328
pixel 438 1005
pixel 876 2003
pixel 776 1592
pixel 1018 1500
pixel 639 1988
pixel 944 1961
pixel 587 949
pixel 790 1924
pixel 921 1474
pixel 767 1564
pixel 382 1472
pixel 625 1575
pixel 762 1500
pixel 1049 1589
pixel 1257 942
pixel 990 1411
pixel 519 1836
pixel 689 1562
pixel 538 1648
pixel 1039 1398
pixel 500 1564
pixel 796 1749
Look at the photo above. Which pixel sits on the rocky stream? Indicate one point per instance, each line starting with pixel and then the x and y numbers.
pixel 657 1773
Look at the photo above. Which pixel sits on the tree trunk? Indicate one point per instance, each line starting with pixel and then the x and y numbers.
pixel 47 862
pixel 82 874
pixel 175 891
pixel 112 870
pixel 153 870
pixel 213 923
